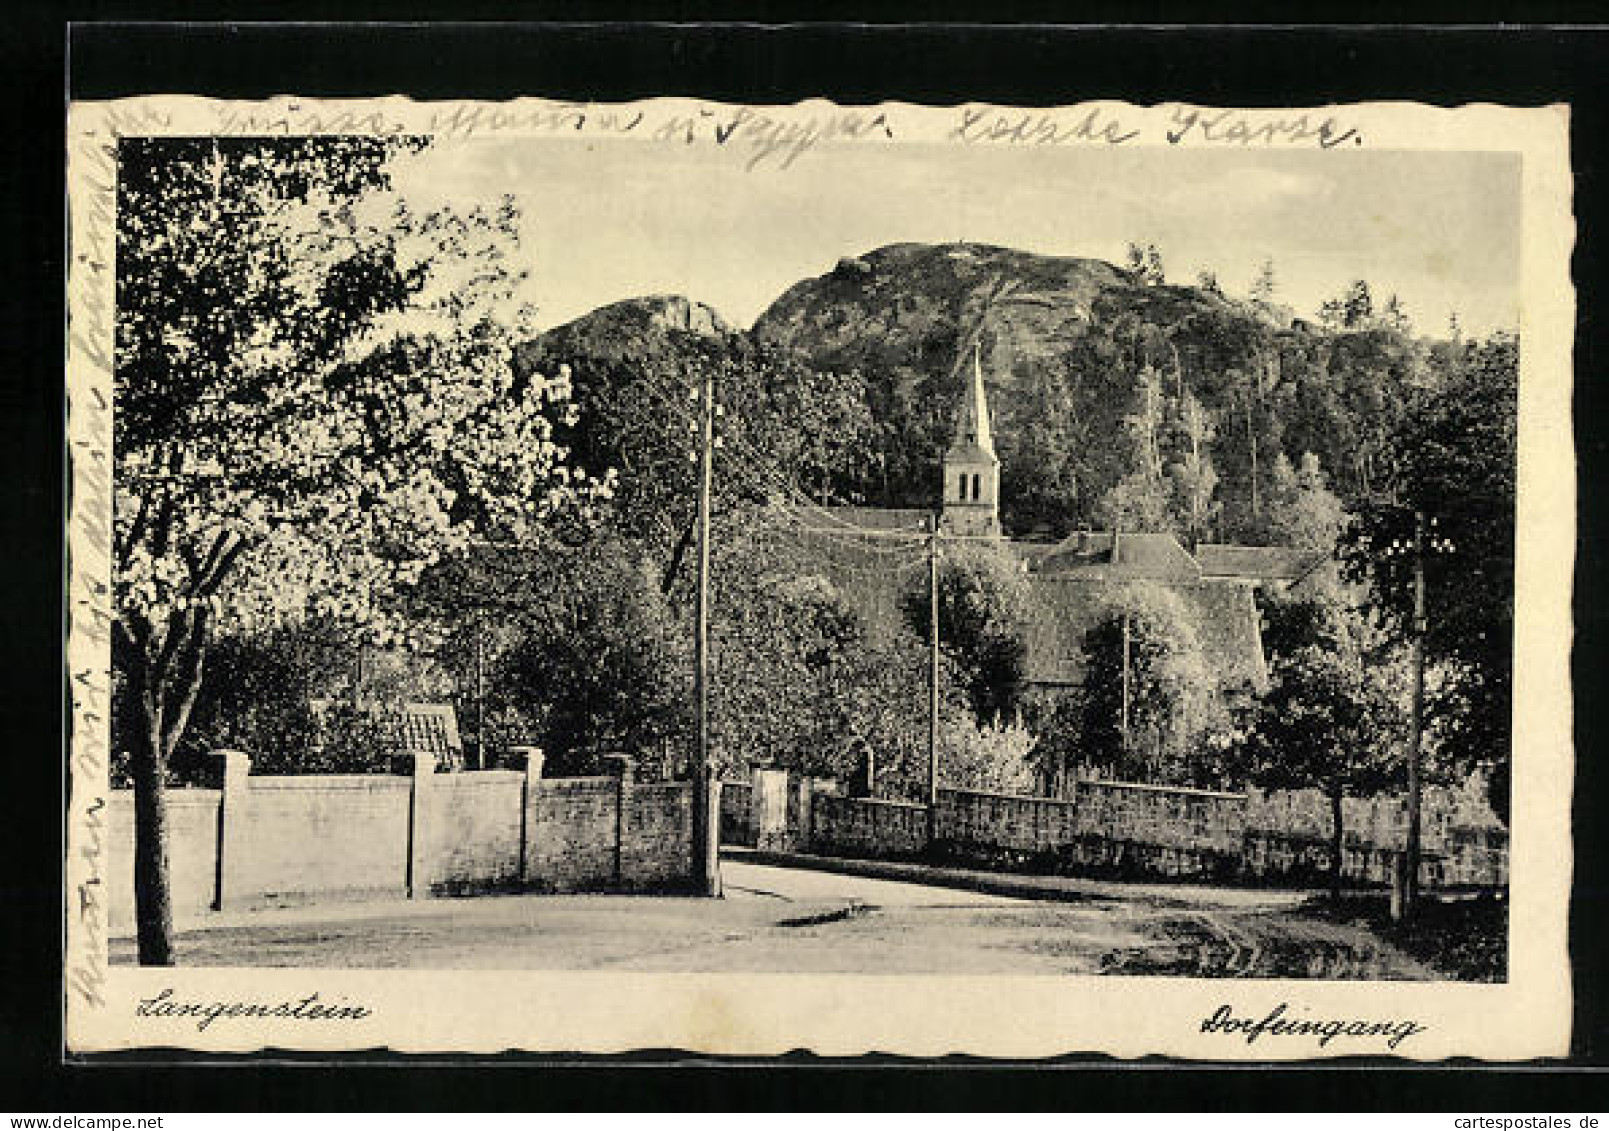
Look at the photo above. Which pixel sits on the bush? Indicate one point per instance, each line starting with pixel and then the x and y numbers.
pixel 990 757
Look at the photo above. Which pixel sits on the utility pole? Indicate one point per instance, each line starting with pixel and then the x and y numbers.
pixel 1251 437
pixel 480 691
pixel 1416 717
pixel 706 845
pixel 1126 690
pixel 933 681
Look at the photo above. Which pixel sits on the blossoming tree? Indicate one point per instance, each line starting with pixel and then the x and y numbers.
pixel 314 403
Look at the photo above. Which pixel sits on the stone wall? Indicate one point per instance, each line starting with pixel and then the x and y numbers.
pixel 1005 821
pixel 737 819
pixel 192 854
pixel 1464 843
pixel 573 826
pixel 474 830
pixel 656 842
pixel 856 826
pixel 1166 817
pixel 1138 829
pixel 304 837
pixel 264 840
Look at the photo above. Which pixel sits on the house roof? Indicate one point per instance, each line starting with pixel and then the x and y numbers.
pixel 1224 617
pixel 1102 555
pixel 1071 580
pixel 1256 563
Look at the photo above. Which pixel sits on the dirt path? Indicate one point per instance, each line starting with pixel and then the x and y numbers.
pixel 1218 944
pixel 795 920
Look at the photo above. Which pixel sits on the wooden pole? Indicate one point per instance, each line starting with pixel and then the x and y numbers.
pixel 480 692
pixel 1251 437
pixel 1126 691
pixel 933 682
pixel 1416 718
pixel 706 847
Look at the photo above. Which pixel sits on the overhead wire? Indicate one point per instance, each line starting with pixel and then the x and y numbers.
pixel 838 530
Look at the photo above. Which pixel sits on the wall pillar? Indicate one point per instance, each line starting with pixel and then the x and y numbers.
pixel 769 808
pixel 710 849
pixel 231 827
pixel 533 758
pixel 424 773
pixel 621 768
pixel 805 793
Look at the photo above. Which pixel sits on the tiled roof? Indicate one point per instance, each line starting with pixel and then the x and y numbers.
pixel 1101 555
pixel 1256 563
pixel 1224 616
pixel 873 570
pixel 1071 580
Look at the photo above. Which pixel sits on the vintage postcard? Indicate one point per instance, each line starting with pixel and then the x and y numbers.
pixel 729 579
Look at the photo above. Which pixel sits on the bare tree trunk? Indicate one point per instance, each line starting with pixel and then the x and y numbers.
pixel 153 902
pixel 165 686
pixel 1337 845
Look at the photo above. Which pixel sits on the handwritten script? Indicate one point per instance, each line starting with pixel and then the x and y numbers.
pixel 309 1008
pixel 777 138
pixel 90 447
pixel 1281 1022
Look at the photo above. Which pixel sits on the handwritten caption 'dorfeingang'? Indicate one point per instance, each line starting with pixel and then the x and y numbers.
pixel 1281 1021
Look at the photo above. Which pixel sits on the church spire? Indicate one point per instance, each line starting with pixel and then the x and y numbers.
pixel 972 429
pixel 971 469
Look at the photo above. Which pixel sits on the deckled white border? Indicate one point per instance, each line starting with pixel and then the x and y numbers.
pixel 466 1011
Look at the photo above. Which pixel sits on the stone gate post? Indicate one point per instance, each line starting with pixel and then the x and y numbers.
pixel 621 768
pixel 424 773
pixel 533 758
pixel 232 819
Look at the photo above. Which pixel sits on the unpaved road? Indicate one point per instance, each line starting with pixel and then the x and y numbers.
pixel 777 919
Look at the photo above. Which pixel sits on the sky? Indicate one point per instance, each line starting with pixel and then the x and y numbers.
pixel 605 220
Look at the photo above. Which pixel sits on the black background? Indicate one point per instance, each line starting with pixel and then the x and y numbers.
pixel 1024 64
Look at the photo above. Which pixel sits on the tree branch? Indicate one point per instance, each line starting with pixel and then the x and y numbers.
pixel 181 627
pixel 680 552
pixel 194 661
pixel 221 565
pixel 136 528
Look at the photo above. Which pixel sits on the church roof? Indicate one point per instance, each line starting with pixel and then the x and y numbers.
pixel 963 452
pixel 1224 616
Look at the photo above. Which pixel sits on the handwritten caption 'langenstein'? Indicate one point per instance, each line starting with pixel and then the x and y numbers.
pixel 777 139
pixel 309 1008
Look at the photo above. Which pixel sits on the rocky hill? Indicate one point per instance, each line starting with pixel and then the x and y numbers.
pixel 906 308
pixel 1073 351
pixel 1063 343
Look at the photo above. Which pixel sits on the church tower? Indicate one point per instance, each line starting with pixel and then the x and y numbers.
pixel 971 469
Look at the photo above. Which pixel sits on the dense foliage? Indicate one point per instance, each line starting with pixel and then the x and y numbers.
pixel 1453 460
pixel 315 402
pixel 1159 731
pixel 984 609
pixel 1333 717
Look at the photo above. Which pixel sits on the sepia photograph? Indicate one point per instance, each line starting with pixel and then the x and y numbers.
pixel 1043 548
